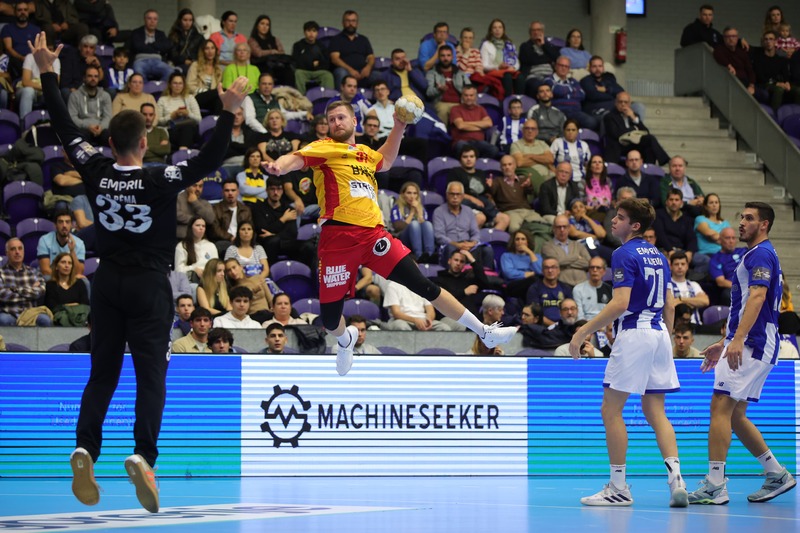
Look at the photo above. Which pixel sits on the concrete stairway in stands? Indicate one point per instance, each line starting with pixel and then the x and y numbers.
pixel 685 127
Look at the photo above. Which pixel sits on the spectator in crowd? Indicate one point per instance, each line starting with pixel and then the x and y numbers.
pixel 772 74
pixel 786 43
pixel 556 194
pixel 212 294
pixel 261 300
pixel 349 93
pixel 643 185
pixel 573 150
pixel 229 214
pixel 227 38
pixel 185 40
pixel 722 265
pixel 133 97
pixel 773 19
pixel 578 56
pixel 686 291
pixel 500 59
pixel 362 346
pixel 299 189
pixel 531 314
pixel 252 180
pixel 261 102
pixel 473 181
pixel 21 287
pixel 409 311
pixel 238 317
pixel 592 295
pixel 410 221
pixel 455 227
pixel 511 125
pixel 98 16
pixel 601 90
pixel 586 230
pixel 16 35
pixel 649 236
pixel 282 309
pixel 548 292
pixel 469 123
pixel 268 53
pixel 382 109
pixel 65 289
pixel 196 341
pixel 464 284
pixel 75 62
pixel 537 57
pixel 572 256
pixel 568 95
pixel 622 193
pixel 683 342
pixel 532 155
pixel 319 130
pixel 520 264
pixel 702 29
pixel 60 240
pixel 184 305
pixel 709 224
pixel 549 118
pixel 220 340
pixel 83 344
pixel 240 66
pixel 510 194
pixel 190 203
pixel 276 226
pixel 180 286
pixel 242 137
pixel 311 59
pixel 351 53
pixel 204 76
pixel 555 335
pixel 469 61
pixel 118 73
pixel 275 339
pixel 195 250
pixel 402 79
pixel 90 107
pixel 693 198
pixel 251 256
pixel 445 82
pixel 625 131
pixel 675 230
pixel 179 112
pixel 733 57
pixel 597 188
pixel 149 47
pixel 278 141
pixel 429 48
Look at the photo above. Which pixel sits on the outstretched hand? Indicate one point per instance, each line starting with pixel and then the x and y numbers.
pixel 43 56
pixel 232 98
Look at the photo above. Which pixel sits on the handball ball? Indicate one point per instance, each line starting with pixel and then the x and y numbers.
pixel 409 109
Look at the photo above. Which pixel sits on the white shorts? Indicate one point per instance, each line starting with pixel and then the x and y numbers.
pixel 746 382
pixel 641 363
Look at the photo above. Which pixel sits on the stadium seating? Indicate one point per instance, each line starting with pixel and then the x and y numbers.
pixel 29 231
pixel 791 125
pixel 9 126
pixel 488 165
pixel 21 200
pixel 534 352
pixel 438 169
pixel 430 270
pixel 406 161
pixel 492 107
pixel 306 305
pixel 183 155
pixel 786 111
pixel 52 154
pixel 715 313
pixel 207 127
pixel 653 170
pixel 527 103
pixel 63 348
pixel 391 350
pixel 5 234
pixel 435 351
pixel 295 278
pixel 307 231
pixel 430 201
pixel 35 116
pixel 359 306
pixel 90 267
pixel 14 347
pixel 319 96
pixel 382 63
pixel 498 240
pixel 155 87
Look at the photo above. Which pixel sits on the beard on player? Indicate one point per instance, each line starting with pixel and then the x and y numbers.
pixel 342 133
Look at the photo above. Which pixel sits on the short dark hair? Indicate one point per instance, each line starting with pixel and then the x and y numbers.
pixel 183 297
pixel 468 148
pixel 62 213
pixel 769 32
pixel 146 104
pixel 199 312
pixel 675 192
pixel 272 327
pixel 371 117
pixel 682 309
pixel 92 67
pixel 379 83
pixel 274 181
pixel 594 58
pixel 225 16
pixel 126 130
pixel 397 51
pixel 536 310
pixel 220 333
pixel 440 25
pixel 678 255
pixel 683 327
pixel 121 51
pixel 765 212
pixel 705 7
pixel 356 318
pixel 311 25
pixel 639 210
pixel 240 291
pixel 230 181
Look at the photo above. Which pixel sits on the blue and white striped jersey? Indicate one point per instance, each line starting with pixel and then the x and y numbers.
pixel 642 267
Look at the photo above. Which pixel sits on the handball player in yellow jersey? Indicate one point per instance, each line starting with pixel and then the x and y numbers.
pixel 353 234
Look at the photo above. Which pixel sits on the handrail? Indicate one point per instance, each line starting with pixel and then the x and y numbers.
pixel 696 71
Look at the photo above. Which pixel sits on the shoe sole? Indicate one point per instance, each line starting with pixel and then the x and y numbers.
pixel 680 498
pixel 84 486
pixel 709 502
pixel 146 494
pixel 608 504
pixel 774 494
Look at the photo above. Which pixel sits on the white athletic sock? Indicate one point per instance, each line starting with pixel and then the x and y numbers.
pixel 618 476
pixel 768 462
pixel 344 339
pixel 470 321
pixel 673 465
pixel 716 472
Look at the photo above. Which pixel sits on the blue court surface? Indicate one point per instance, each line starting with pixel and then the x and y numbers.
pixel 386 504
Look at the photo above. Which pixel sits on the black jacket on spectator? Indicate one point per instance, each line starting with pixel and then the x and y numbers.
pixel 794 69
pixel 185 46
pixel 596 99
pixel 769 70
pixel 136 44
pixel 649 187
pixel 72 68
pixel 305 53
pixel 697 32
pixel 548 196
pixel 529 58
pixel 539 336
pixel 98 15
pixel 615 126
pixel 675 234
pixel 456 284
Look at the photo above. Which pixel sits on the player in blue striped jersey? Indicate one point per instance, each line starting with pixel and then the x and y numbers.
pixel 641 358
pixel 751 349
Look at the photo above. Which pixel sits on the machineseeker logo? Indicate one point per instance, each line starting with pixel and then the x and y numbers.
pixel 286 416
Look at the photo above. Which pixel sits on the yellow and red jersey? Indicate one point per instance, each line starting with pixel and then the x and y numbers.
pixel 344 175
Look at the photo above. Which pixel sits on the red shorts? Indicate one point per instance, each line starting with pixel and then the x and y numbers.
pixel 343 249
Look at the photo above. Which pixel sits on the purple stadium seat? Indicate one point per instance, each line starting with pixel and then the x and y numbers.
pixel 391 350
pixel 791 125
pixel 319 96
pixel 295 278
pixel 325 34
pixel 52 154
pixel 795 140
pixel 786 111
pixel 14 347
pixel 406 161
pixel 5 234
pixel 438 169
pixel 207 125
pixel 431 200
pixel 429 269
pixel 389 192
pixel 90 266
pixel 4 148
pixel 307 231
pixel 653 170
pixel 306 305
pixel 488 165
pixel 63 348
pixel 106 151
pixel 21 200
pixel 556 41
pixel 527 103
pixel 492 106
pixel 154 87
pixel 592 139
pixel 35 116
pixel 365 92
pixel 359 306
pixel 436 351
pixel 715 313
pixel 299 127
pixel 29 231
pixel 768 110
pixel 9 126
pixel 183 155
pixel 498 240
pixel 382 63
pixel 615 170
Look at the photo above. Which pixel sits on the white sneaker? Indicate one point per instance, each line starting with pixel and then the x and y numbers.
pixel 497 334
pixel 678 495
pixel 344 354
pixel 710 494
pixel 84 486
pixel 144 479
pixel 610 496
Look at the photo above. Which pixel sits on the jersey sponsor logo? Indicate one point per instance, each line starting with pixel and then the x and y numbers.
pixel 360 189
pixel 359 170
pixel 172 173
pixel 83 152
pixel 619 275
pixel 762 273
pixel 335 276
pixel 381 247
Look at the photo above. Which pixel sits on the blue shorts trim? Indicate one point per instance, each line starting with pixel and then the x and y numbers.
pixel 661 391
pixel 726 393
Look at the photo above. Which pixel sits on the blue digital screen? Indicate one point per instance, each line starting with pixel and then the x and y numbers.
pixel 636 7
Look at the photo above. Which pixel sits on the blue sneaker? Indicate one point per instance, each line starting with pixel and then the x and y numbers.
pixel 776 484
pixel 710 494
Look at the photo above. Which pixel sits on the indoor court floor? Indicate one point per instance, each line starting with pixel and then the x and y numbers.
pixel 381 504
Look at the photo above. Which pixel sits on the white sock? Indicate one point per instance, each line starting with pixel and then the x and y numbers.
pixel 716 472
pixel 344 339
pixel 673 465
pixel 618 476
pixel 470 321
pixel 769 463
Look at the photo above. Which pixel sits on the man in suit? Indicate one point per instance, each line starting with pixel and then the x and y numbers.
pixel 550 201
pixel 645 186
pixel 572 256
pixel 623 120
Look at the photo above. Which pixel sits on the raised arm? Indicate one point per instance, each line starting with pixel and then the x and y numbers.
pixel 390 148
